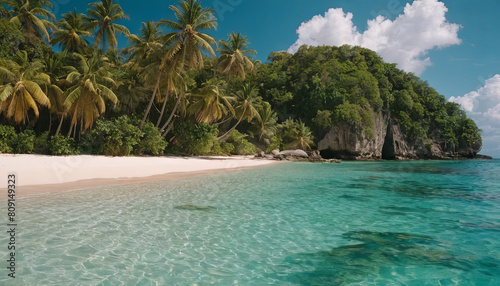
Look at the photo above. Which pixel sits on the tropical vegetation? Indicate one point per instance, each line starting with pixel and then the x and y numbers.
pixel 66 88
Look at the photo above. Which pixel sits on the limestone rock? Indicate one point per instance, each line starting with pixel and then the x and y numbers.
pixel 351 141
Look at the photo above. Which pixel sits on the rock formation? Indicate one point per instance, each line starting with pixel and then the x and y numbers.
pixel 387 142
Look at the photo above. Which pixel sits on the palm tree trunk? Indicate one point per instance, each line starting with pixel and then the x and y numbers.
pixel 70 129
pixel 50 121
pixel 148 109
pixel 168 129
pixel 163 108
pixel 171 114
pixel 224 137
pixel 60 125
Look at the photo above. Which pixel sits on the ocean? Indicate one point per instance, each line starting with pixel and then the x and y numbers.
pixel 355 223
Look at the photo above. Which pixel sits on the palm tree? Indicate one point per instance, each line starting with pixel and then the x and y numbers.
pixel 85 99
pixel 71 32
pixel 32 16
pixel 265 125
pixel 102 17
pixel 130 89
pixel 187 40
pixel 153 73
pixel 187 44
pixel 175 84
pixel 233 60
pixel 55 69
pixel 22 90
pixel 210 103
pixel 248 101
pixel 147 43
pixel 303 137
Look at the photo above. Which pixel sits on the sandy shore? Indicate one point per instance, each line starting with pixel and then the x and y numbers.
pixel 36 174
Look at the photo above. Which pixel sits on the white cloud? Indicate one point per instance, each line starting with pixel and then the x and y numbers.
pixel 483 106
pixel 405 41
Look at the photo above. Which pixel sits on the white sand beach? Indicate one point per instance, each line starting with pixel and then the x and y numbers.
pixel 37 174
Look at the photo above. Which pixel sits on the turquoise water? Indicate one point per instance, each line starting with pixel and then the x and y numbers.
pixel 380 223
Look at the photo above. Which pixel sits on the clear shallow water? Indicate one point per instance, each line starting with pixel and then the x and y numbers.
pixel 381 223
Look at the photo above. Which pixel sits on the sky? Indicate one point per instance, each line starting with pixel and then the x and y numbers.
pixel 454 45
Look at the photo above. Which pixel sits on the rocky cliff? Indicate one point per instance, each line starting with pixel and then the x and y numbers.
pixel 388 142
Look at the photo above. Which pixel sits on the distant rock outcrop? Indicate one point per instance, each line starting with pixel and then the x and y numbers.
pixel 387 141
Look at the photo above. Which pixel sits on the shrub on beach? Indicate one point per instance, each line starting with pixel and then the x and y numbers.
pixel 112 137
pixel 60 145
pixel 11 142
pixel 196 138
pixel 152 143
pixel 241 146
pixel 7 136
pixel 42 144
pixel 122 137
pixel 24 142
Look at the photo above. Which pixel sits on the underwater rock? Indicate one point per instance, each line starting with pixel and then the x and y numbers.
pixel 195 208
pixel 374 251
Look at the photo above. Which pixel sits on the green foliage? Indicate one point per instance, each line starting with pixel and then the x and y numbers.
pixel 11 38
pixel 60 146
pixel 196 138
pixel 152 143
pixel 42 143
pixel 240 145
pixel 323 120
pixel 296 135
pixel 24 142
pixel 8 136
pixel 116 137
pixel 276 143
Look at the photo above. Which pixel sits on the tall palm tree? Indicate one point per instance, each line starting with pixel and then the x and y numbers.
pixel 85 99
pixel 175 84
pixel 147 43
pixel 71 32
pixel 233 60
pixel 55 69
pixel 33 16
pixel 187 41
pixel 101 18
pixel 210 103
pixel 153 74
pixel 248 101
pixel 22 90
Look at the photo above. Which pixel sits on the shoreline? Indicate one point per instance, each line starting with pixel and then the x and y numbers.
pixel 40 174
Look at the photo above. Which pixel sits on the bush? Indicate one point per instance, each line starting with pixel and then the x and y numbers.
pixel 241 146
pixel 152 143
pixel 24 142
pixel 112 137
pixel 226 148
pixel 42 144
pixel 7 137
pixel 196 138
pixel 276 143
pixel 60 145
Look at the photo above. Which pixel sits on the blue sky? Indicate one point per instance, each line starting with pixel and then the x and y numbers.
pixel 460 38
